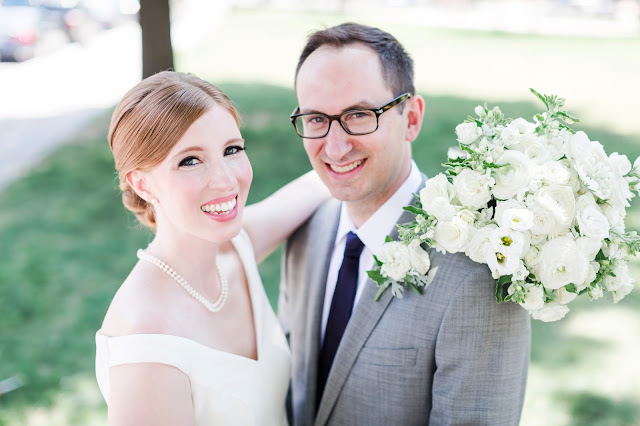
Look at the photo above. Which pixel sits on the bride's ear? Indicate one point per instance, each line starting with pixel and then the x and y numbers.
pixel 138 182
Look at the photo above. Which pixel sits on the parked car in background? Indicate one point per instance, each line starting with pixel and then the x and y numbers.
pixel 25 31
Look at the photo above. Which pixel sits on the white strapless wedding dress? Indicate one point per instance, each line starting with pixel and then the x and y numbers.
pixel 227 389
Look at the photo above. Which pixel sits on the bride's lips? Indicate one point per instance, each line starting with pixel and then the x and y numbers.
pixel 222 209
pixel 347 169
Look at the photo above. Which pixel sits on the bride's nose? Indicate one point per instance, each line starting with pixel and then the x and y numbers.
pixel 221 176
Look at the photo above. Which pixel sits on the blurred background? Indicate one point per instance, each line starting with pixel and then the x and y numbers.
pixel 66 242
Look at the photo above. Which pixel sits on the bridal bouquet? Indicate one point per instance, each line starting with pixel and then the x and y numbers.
pixel 540 204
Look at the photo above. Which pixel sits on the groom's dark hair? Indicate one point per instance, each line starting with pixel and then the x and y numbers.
pixel 397 66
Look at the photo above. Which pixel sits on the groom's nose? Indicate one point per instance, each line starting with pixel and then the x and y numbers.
pixel 337 142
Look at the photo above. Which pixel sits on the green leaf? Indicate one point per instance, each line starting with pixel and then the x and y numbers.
pixel 542 98
pixel 415 210
pixel 388 239
pixel 504 279
pixel 381 290
pixel 414 287
pixel 571 288
pixel 376 276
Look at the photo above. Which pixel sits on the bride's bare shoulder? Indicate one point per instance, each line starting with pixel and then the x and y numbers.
pixel 142 304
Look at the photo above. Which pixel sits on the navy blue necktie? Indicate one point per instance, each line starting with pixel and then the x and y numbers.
pixel 341 307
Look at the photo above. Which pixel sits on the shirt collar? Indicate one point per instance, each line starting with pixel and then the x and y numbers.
pixel 372 233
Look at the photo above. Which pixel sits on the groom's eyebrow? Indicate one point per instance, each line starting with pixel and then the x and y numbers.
pixel 360 105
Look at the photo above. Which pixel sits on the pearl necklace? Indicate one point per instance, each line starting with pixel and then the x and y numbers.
pixel 211 307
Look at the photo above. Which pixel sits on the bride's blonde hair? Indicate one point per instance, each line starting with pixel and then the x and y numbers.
pixel 148 122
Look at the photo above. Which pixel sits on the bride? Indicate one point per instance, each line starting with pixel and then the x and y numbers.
pixel 190 337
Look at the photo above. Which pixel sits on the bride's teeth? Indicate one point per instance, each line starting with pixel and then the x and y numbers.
pixel 347 168
pixel 219 208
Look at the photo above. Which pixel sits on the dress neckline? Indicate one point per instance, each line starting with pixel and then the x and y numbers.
pixel 254 312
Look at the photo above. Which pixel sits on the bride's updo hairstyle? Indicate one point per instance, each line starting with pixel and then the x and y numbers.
pixel 149 121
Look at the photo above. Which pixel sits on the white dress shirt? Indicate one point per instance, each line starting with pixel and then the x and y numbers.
pixel 372 233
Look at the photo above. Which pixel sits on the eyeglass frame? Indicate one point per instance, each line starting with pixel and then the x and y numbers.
pixel 377 111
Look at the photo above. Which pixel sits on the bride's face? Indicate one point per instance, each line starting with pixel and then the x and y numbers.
pixel 202 185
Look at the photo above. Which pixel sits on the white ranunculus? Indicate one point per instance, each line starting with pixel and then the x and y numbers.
pixel 479 245
pixel 510 135
pixel 513 176
pixel 534 297
pixel 532 258
pixel 544 221
pixel 589 246
pixel 620 164
pixel 396 260
pixel 592 271
pixel 613 251
pixel 592 165
pixel 523 126
pixel 563 296
pixel 562 263
pixel 437 186
pixel 419 258
pixel 615 215
pixel 554 173
pixel 468 133
pixel 574 179
pixel 467 215
pixel 472 189
pixel 441 208
pixel 452 236
pixel 622 277
pixel 559 200
pixel 626 283
pixel 552 311
pixel 592 222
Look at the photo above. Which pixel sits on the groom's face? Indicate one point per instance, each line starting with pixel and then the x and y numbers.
pixel 367 169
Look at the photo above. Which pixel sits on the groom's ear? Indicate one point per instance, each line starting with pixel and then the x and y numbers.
pixel 415 115
pixel 138 182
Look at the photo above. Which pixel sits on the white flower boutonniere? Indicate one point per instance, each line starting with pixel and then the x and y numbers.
pixel 541 205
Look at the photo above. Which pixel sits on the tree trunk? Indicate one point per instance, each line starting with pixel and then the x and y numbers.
pixel 157 54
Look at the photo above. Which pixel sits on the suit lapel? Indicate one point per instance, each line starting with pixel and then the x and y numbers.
pixel 365 317
pixel 321 238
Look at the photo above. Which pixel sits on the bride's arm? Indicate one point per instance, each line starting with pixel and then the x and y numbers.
pixel 273 219
pixel 149 394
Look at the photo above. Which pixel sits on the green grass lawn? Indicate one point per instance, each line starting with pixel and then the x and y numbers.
pixel 67 241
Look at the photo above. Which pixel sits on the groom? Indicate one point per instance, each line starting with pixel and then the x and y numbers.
pixel 450 356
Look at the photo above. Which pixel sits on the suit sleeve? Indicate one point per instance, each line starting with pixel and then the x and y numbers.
pixel 284 308
pixel 482 357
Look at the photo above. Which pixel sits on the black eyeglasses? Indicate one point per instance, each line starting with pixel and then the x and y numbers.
pixel 355 122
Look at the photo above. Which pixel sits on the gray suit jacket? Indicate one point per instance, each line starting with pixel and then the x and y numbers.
pixel 451 356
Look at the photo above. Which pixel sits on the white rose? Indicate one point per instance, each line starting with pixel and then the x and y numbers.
pixel 468 133
pixel 563 296
pixel 592 222
pixel 534 297
pixel 560 201
pixel 513 176
pixel 472 189
pixel 552 311
pixel 479 245
pixel 554 173
pixel 452 236
pixel 562 263
pixel 437 186
pixel 419 258
pixel 396 260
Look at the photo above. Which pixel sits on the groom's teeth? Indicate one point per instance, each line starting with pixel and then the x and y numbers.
pixel 219 208
pixel 347 168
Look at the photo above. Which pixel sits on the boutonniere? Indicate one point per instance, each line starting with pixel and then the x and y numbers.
pixel 402 263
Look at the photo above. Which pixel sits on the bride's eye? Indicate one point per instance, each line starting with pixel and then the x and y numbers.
pixel 189 161
pixel 230 150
